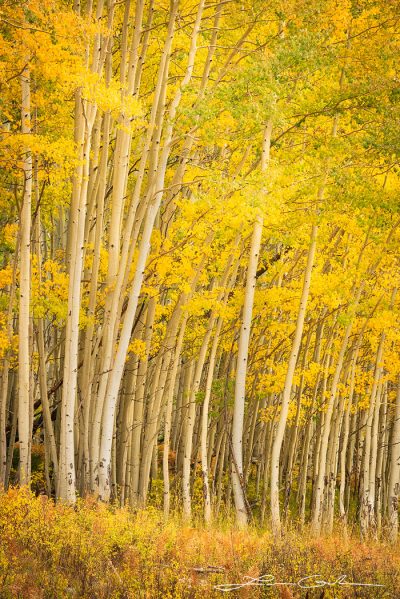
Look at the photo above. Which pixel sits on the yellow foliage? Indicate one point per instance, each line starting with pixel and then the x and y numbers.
pixel 6 275
pixel 137 347
pixel 97 550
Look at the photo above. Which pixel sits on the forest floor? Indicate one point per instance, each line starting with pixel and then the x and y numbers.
pixel 98 551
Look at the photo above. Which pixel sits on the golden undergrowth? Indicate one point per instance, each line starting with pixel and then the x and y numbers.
pixel 50 550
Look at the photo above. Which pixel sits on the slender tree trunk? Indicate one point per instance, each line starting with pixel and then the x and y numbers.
pixel 204 425
pixel 277 445
pixel 240 383
pixel 5 372
pixel 394 473
pixel 24 391
pixel 368 485
pixel 168 417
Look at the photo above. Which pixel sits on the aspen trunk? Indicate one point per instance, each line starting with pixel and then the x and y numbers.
pixel 368 479
pixel 191 413
pixel 5 378
pixel 322 461
pixel 139 405
pixel 24 373
pixel 240 383
pixel 204 425
pixel 168 418
pixel 67 474
pixel 278 441
pixel 394 473
pixel 346 431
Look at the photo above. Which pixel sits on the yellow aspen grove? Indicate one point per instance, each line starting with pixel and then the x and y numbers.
pixel 115 376
pixel 199 316
pixel 320 478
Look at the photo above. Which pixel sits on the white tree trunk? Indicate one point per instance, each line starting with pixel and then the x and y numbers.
pixel 24 428
pixel 368 485
pixel 277 445
pixel 204 425
pixel 67 476
pixel 394 474
pixel 241 371
pixel 168 416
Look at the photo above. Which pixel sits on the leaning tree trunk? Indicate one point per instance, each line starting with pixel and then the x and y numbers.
pixel 241 370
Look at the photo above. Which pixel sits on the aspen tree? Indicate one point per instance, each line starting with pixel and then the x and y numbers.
pixel 24 368
pixel 168 416
pixel 243 347
pixel 277 444
pixel 139 403
pixel 6 381
pixel 158 386
pixel 368 480
pixel 48 424
pixel 322 456
pixel 86 375
pixel 117 262
pixel 188 438
pixel 240 381
pixel 380 460
pixel 67 476
pixel 85 115
pixel 346 432
pixel 394 473
pixel 204 424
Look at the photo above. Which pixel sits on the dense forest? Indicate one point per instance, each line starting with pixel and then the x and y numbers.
pixel 199 263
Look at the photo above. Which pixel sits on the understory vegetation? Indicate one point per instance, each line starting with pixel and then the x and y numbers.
pixel 101 551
